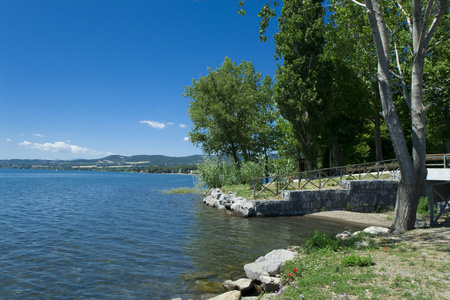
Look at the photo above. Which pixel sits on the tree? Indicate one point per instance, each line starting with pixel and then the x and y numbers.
pixel 421 23
pixel 226 107
pixel 412 169
pixel 349 39
pixel 300 79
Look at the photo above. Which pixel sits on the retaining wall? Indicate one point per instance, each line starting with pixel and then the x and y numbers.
pixel 358 195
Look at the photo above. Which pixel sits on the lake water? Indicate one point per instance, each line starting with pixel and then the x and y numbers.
pixel 100 235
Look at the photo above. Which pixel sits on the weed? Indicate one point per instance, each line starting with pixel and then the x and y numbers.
pixel 320 240
pixel 349 207
pixel 355 260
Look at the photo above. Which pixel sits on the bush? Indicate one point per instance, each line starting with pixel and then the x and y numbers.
pixel 355 260
pixel 423 207
pixel 320 240
pixel 210 173
pixel 250 170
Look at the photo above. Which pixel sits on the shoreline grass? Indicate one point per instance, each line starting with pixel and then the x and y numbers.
pixel 183 190
pixel 382 269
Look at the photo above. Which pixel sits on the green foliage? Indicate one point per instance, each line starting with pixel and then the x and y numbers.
pixel 182 191
pixel 349 207
pixel 423 206
pixel 232 111
pixel 321 241
pixel 355 260
pixel 250 170
pixel 210 173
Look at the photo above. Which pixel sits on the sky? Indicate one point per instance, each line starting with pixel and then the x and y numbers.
pixel 91 78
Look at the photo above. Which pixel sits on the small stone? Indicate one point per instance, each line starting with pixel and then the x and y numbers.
pixel 232 295
pixel 270 284
pixel 344 235
pixel 243 284
pixel 376 230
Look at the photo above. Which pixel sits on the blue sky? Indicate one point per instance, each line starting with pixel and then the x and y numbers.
pixel 89 78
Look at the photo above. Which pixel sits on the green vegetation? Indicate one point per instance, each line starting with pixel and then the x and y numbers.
pixel 328 268
pixel 182 191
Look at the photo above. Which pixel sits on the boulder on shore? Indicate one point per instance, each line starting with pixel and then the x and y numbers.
pixel 232 295
pixel 243 285
pixel 268 265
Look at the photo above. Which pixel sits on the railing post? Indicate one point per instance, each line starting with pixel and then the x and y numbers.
pixel 320 180
pixel 445 161
pixel 278 180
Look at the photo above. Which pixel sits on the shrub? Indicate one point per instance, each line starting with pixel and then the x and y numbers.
pixel 210 173
pixel 355 260
pixel 250 170
pixel 423 208
pixel 349 207
pixel 320 240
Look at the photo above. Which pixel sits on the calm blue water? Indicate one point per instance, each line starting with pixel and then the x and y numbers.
pixel 97 235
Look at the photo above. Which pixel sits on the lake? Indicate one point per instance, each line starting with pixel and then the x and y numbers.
pixel 102 235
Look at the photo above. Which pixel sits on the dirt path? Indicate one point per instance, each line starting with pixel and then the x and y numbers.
pixel 367 219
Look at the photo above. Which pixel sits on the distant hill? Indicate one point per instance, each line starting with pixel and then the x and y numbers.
pixel 109 162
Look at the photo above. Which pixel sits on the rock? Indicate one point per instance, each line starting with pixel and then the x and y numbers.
pixel 276 259
pixel 270 284
pixel 270 264
pixel 250 298
pixel 242 208
pixel 255 270
pixel 376 230
pixel 232 295
pixel 243 284
pixel 344 235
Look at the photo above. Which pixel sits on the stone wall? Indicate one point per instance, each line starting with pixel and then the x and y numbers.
pixel 358 195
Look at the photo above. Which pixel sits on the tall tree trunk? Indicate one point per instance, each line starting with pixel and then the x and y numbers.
pixel 337 154
pixel 377 129
pixel 447 126
pixel 377 133
pixel 411 183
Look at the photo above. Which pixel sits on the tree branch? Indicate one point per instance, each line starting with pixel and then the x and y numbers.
pixel 399 67
pixel 432 29
pixel 423 33
pixel 358 3
pixel 408 19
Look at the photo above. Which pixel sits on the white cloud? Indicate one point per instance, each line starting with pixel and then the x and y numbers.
pixel 182 125
pixel 59 147
pixel 9 140
pixel 39 135
pixel 186 139
pixel 157 125
pixel 154 124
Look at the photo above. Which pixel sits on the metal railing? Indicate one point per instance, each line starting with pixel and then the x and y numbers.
pixel 330 177
pixel 438 161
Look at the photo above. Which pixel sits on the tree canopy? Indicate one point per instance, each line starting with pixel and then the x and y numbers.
pixel 232 111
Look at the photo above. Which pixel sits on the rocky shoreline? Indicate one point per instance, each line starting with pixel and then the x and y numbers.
pixel 263 276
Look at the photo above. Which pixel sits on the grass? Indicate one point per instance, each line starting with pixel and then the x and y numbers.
pixel 183 190
pixel 382 270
